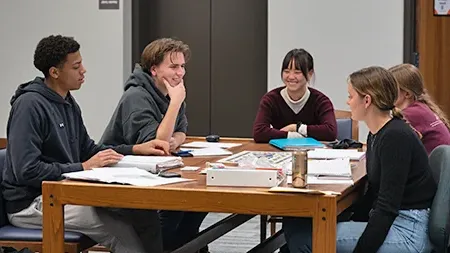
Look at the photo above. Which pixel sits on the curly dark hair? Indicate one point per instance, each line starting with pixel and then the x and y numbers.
pixel 51 51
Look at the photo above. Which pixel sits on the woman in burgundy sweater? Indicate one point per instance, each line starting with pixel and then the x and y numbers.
pixel 295 110
pixel 419 109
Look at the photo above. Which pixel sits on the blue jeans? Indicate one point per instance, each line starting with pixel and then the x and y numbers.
pixel 408 233
pixel 179 227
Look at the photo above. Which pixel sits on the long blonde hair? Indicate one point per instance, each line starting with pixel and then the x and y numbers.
pixel 410 79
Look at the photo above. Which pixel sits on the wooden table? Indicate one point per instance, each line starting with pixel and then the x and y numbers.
pixel 196 196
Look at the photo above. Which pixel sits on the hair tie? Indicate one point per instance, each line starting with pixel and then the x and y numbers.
pixel 388 108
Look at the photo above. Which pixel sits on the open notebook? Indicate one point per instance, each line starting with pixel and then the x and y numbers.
pixel 326 153
pixel 122 175
pixel 207 151
pixel 150 163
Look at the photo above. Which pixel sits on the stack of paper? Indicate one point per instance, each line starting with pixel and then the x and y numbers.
pixel 324 153
pixel 122 175
pixel 324 180
pixel 207 151
pixel 335 171
pixel 328 180
pixel 204 144
pixel 150 163
pixel 336 167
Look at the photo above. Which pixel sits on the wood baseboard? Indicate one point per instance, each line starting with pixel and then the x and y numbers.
pixel 3 143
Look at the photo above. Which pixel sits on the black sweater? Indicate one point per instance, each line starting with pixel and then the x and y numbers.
pixel 399 179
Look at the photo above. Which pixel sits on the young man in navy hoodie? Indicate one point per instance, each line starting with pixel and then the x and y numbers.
pixel 47 137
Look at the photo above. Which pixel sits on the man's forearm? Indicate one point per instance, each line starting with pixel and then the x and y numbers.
pixel 165 129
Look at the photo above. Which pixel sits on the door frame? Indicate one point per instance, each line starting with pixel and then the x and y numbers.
pixel 409 32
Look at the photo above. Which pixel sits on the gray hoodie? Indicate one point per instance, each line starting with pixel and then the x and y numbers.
pixel 46 138
pixel 140 111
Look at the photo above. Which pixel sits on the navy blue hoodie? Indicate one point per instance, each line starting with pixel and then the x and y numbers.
pixel 46 137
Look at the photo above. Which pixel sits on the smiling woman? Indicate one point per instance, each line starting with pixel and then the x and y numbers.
pixel 296 110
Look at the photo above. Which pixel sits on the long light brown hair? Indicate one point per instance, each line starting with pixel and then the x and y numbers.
pixel 410 79
pixel 380 85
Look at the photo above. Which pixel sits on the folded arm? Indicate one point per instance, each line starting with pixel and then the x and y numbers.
pixel 262 131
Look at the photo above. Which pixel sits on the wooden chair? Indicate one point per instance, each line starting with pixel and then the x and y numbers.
pixel 347 129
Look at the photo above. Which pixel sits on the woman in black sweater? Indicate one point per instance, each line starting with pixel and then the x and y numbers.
pixel 401 188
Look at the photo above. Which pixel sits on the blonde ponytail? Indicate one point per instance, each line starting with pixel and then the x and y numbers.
pixel 397 113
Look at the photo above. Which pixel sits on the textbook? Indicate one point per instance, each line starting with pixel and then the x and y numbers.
pixel 296 143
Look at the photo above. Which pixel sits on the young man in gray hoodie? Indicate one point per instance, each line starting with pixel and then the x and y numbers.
pixel 152 107
pixel 47 137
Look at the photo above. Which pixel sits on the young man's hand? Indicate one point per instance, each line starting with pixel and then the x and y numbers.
pixel 176 93
pixel 153 147
pixel 102 159
pixel 173 144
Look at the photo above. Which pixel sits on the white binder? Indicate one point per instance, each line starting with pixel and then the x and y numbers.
pixel 242 177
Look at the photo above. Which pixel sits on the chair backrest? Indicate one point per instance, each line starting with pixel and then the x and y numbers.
pixel 3 218
pixel 346 127
pixel 438 226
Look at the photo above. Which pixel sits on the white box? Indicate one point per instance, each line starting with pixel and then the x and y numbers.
pixel 242 177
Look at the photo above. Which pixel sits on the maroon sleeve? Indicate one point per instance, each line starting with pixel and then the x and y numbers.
pixel 262 132
pixel 326 130
pixel 414 116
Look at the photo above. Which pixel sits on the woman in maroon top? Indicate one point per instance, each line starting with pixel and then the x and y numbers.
pixel 419 109
pixel 295 110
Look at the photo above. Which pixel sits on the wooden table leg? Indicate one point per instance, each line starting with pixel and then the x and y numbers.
pixel 53 221
pixel 324 226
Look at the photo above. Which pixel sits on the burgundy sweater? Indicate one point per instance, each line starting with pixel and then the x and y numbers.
pixel 317 114
pixel 434 131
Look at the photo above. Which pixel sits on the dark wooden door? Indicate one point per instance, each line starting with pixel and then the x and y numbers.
pixel 433 45
pixel 227 73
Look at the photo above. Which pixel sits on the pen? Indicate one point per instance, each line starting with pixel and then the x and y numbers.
pixel 184 151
